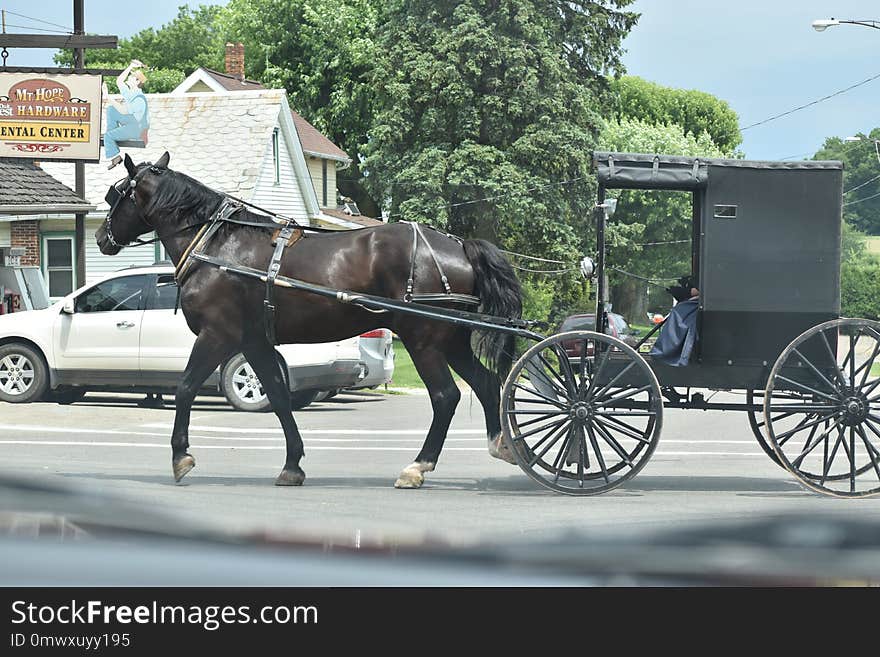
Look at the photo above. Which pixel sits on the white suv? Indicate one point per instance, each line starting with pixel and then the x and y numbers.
pixel 122 334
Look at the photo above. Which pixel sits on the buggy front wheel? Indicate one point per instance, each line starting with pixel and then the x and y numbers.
pixel 581 412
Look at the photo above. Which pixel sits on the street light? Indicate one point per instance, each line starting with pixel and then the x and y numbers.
pixel 822 24
pixel 876 143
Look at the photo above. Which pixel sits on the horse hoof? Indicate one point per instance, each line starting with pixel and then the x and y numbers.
pixel 291 478
pixel 499 449
pixel 182 466
pixel 410 478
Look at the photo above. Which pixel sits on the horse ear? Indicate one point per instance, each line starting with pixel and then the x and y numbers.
pixel 130 167
pixel 163 161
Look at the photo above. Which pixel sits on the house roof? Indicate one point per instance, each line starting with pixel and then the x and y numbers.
pixel 358 219
pixel 313 142
pixel 218 139
pixel 27 189
pixel 231 82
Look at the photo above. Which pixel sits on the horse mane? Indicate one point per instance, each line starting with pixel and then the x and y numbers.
pixel 183 196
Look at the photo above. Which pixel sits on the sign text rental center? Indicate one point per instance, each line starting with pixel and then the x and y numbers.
pixel 50 117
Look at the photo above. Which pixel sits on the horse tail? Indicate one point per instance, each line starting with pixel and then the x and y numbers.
pixel 500 295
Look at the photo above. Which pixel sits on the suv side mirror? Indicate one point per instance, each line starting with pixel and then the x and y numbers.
pixel 68 307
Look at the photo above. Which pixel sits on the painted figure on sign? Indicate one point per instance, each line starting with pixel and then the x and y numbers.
pixel 130 122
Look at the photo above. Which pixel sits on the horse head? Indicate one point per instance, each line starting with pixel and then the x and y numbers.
pixel 126 220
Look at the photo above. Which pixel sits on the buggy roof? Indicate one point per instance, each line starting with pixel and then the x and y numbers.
pixel 676 172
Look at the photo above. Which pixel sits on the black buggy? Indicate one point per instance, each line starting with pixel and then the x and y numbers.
pixel 766 258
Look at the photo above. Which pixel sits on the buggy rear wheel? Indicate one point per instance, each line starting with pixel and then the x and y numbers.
pixel 757 423
pixel 822 408
pixel 581 412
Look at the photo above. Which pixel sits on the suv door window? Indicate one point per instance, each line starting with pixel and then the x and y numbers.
pixel 125 293
pixel 165 295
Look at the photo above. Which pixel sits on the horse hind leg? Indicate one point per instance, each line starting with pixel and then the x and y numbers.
pixel 487 387
pixel 433 368
pixel 261 356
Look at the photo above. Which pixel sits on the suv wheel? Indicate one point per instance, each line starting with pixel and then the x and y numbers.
pixel 24 376
pixel 242 387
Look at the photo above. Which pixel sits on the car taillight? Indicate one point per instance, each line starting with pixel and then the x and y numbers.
pixel 377 333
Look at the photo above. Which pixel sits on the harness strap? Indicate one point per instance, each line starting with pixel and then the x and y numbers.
pixel 225 210
pixel 410 283
pixel 284 237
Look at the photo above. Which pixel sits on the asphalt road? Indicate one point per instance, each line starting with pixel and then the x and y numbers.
pixel 707 467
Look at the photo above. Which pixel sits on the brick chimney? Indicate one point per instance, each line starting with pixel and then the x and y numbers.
pixel 235 60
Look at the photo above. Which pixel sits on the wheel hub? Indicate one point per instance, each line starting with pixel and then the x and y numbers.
pixel 580 411
pixel 855 410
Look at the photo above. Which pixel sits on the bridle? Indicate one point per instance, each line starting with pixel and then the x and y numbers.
pixel 120 191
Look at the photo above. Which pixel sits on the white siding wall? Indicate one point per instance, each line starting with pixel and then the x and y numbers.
pixel 4 234
pixel 97 264
pixel 286 197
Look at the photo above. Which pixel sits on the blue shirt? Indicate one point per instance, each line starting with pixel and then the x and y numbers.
pixel 137 106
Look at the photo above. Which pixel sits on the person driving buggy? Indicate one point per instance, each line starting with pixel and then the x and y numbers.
pixel 679 332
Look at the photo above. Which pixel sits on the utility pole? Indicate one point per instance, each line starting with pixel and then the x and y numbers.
pixel 79 173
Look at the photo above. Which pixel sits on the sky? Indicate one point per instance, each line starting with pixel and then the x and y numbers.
pixel 761 56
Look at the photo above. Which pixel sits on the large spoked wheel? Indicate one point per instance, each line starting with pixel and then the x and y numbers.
pixel 757 423
pixel 822 408
pixel 581 412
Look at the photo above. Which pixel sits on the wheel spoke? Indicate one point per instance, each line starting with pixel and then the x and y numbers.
pixel 624 428
pixel 563 451
pixel 27 374
pixel 837 369
pixel 549 426
pixel 583 369
pixel 810 448
pixel 815 369
pixel 868 364
pixel 597 452
pixel 555 402
pixel 603 358
pixel 851 356
pixel 608 400
pixel 608 438
pixel 558 434
pixel 826 461
pixel 538 376
pixel 614 380
pixel 808 388
pixel 873 454
pixel 783 438
pixel 528 423
pixel 564 364
pixel 852 460
pixel 563 387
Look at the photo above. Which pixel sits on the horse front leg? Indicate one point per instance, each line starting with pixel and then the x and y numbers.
pixel 432 367
pixel 207 353
pixel 261 356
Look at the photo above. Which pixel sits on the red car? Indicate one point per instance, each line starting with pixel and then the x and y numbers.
pixel 617 327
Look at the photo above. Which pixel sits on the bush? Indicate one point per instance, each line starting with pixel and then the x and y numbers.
pixel 860 289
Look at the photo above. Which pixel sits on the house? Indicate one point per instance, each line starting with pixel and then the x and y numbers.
pixel 323 157
pixel 244 144
pixel 27 193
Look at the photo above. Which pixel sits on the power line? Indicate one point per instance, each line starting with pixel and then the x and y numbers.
pixel 37 20
pixel 38 29
pixel 867 198
pixel 863 184
pixel 810 104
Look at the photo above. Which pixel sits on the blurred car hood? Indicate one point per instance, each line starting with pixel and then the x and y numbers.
pixel 56 535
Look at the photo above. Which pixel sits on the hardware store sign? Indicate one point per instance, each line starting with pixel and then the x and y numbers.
pixel 50 117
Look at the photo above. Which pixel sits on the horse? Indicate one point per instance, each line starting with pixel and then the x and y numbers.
pixel 226 310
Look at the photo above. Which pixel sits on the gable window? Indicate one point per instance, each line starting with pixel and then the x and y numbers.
pixel 276 156
pixel 58 265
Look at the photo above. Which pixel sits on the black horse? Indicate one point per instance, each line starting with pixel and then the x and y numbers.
pixel 225 310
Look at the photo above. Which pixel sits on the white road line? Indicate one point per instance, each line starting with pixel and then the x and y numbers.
pixel 273 434
pixel 353 448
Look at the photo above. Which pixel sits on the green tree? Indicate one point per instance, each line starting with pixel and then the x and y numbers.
pixel 487 113
pixel 644 218
pixel 322 52
pixel 695 111
pixel 172 52
pixel 861 175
